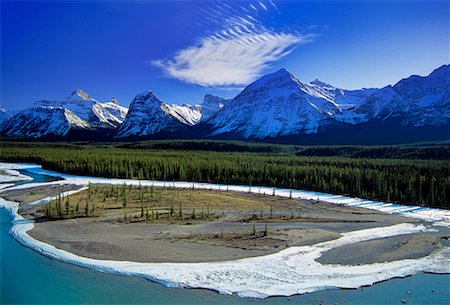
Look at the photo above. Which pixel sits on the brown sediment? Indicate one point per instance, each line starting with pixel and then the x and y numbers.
pixel 406 246
pixel 28 195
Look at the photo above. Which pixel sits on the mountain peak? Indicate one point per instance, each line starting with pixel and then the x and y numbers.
pixel 147 95
pixel 148 115
pixel 114 101
pixel 78 93
pixel 279 74
pixel 442 71
pixel 279 78
pixel 320 83
pixel 282 72
pixel 211 98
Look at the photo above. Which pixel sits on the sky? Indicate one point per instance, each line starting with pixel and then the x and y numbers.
pixel 182 50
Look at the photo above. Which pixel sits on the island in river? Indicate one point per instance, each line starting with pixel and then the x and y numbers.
pixel 165 224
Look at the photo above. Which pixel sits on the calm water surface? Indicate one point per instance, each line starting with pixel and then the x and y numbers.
pixel 29 278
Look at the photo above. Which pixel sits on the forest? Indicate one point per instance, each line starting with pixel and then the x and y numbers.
pixel 418 175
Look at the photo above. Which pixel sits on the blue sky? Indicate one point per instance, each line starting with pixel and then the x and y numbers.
pixel 182 50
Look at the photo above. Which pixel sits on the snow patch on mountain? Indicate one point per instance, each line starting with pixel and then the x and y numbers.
pixel 186 113
pixel 194 114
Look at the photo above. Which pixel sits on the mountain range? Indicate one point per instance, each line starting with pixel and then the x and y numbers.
pixel 275 108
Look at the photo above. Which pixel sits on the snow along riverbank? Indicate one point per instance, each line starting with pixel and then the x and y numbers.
pixel 291 271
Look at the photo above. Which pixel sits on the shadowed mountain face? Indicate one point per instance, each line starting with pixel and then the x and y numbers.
pixel 275 108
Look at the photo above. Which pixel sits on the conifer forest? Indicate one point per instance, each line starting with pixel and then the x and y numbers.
pixel 408 175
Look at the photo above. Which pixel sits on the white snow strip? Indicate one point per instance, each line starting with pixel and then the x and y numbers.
pixel 32 184
pixel 63 194
pixel 11 175
pixel 5 166
pixel 6 185
pixel 291 271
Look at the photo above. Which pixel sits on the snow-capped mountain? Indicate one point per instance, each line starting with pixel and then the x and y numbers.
pixel 90 110
pixel 58 117
pixel 278 104
pixel 414 101
pixel 148 115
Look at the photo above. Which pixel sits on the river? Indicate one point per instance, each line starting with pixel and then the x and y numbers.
pixel 30 278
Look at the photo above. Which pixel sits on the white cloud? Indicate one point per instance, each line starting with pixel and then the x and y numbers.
pixel 229 58
pixel 234 55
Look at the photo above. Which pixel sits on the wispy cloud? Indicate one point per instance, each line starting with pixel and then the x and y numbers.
pixel 273 4
pixel 263 6
pixel 234 55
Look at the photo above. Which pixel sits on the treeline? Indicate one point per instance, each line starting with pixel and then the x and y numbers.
pixel 423 182
pixel 210 145
pixel 432 152
pixel 439 151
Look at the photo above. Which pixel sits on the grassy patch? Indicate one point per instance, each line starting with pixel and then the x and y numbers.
pixel 135 203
